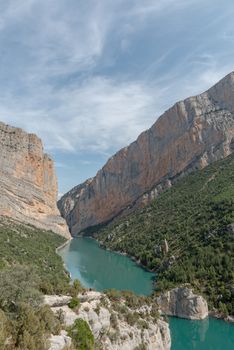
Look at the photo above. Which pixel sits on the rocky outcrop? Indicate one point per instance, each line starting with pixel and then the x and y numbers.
pixel 114 327
pixel 190 135
pixel 28 184
pixel 56 300
pixel 60 342
pixel 181 302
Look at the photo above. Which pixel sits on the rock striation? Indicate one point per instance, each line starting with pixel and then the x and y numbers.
pixel 181 302
pixel 28 184
pixel 188 136
pixel 110 326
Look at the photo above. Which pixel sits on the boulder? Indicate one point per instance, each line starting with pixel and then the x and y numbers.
pixel 182 302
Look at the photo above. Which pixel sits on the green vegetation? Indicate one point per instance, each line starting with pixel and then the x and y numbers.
pixel 25 245
pixel 24 322
pixel 195 219
pixel 29 267
pixel 74 303
pixel 81 335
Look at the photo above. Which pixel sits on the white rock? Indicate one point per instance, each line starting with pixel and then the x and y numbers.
pixel 69 315
pixel 58 342
pixel 123 336
pixel 56 300
pixel 181 302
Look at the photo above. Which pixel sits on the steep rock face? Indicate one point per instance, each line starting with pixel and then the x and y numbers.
pixel 109 326
pixel 68 202
pixel 28 184
pixel 190 135
pixel 181 302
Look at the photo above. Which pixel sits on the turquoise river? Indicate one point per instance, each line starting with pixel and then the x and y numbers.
pixel 101 269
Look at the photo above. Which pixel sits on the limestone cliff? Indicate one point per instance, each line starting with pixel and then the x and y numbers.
pixel 190 135
pixel 28 184
pixel 182 302
pixel 115 326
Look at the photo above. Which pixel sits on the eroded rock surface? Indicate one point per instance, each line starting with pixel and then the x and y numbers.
pixel 111 328
pixel 28 184
pixel 181 302
pixel 190 135
pixel 60 342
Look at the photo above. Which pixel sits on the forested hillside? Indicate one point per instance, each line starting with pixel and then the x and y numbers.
pixel 29 268
pixel 186 235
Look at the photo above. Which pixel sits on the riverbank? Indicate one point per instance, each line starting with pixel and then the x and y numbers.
pixel 218 316
pixel 212 313
pixel 63 245
pixel 100 269
pixel 136 261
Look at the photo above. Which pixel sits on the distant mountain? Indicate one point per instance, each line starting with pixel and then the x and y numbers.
pixel 28 183
pixel 190 135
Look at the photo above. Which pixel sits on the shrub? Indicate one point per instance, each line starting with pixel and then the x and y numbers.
pixel 5 329
pixel 113 320
pixel 131 318
pixel 29 332
pixel 113 294
pixel 18 285
pixel 81 335
pixel 74 303
pixel 48 320
pixel 76 288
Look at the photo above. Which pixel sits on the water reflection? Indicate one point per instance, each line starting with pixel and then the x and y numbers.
pixel 209 334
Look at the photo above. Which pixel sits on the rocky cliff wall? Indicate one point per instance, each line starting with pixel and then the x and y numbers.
pixel 182 302
pixel 190 135
pixel 28 184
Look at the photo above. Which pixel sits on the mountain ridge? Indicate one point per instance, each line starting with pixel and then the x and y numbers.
pixel 189 135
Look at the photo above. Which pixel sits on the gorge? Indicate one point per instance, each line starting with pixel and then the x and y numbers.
pixel 166 201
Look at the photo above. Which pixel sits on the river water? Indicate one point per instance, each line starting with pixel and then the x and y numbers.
pixel 101 269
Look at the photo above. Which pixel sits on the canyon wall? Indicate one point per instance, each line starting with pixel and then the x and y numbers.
pixel 28 184
pixel 188 136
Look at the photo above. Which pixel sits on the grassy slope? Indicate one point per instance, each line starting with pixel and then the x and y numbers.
pixel 194 216
pixel 25 245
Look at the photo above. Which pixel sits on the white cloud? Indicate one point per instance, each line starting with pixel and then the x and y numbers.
pixel 51 82
pixel 98 115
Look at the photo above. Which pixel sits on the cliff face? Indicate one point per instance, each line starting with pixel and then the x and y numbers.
pixel 28 184
pixel 190 135
pixel 181 302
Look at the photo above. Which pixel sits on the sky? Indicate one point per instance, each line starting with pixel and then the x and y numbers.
pixel 88 76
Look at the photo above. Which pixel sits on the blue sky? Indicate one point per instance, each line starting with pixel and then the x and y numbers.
pixel 89 75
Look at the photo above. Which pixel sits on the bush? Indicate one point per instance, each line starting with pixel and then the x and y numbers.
pixel 76 288
pixel 48 320
pixel 29 332
pixel 113 294
pixel 81 335
pixel 5 330
pixel 131 318
pixel 18 285
pixel 113 320
pixel 74 303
